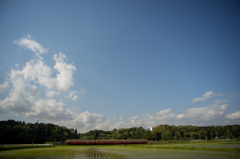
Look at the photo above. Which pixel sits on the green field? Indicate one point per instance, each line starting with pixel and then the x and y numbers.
pixel 212 149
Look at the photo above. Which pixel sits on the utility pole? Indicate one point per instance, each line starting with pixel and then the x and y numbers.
pixel 34 132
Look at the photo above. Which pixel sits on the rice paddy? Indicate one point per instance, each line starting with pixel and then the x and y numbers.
pixel 122 152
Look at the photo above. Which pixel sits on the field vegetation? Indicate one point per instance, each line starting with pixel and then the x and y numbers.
pixel 113 152
pixel 14 147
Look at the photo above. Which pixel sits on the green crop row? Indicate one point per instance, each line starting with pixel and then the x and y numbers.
pixel 236 150
pixel 2 148
pixel 66 152
pixel 96 154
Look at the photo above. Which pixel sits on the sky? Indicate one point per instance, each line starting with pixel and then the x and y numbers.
pixel 120 64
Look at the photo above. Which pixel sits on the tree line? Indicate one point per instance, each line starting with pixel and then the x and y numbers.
pixel 168 132
pixel 18 132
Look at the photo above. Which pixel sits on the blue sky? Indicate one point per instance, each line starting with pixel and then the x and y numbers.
pixel 116 64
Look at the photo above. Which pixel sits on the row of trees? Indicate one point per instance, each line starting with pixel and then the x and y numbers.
pixel 167 132
pixel 17 132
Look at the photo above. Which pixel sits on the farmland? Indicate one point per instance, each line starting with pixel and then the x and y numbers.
pixel 223 150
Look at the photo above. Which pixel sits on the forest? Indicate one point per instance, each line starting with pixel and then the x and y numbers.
pixel 19 132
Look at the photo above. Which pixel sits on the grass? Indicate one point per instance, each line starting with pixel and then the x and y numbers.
pixel 111 152
pixel 209 145
pixel 151 151
pixel 236 150
pixel 13 147
pixel 196 142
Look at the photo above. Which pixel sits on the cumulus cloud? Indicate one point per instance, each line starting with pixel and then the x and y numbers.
pixel 75 98
pixel 193 116
pixel 3 86
pixel 25 97
pixel 207 95
pixel 163 112
pixel 38 71
pixel 133 118
pixel 21 97
pixel 52 93
pixel 120 118
pixel 27 42
pixel 180 116
pixel 25 100
pixel 234 116
pixel 72 95
pixel 224 107
pixel 65 76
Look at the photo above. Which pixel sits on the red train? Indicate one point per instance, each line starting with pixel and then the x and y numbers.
pixel 105 142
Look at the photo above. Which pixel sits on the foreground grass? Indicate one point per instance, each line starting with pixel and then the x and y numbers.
pixel 112 152
pixel 236 150
pixel 196 142
pixel 209 145
pixel 198 150
pixel 13 147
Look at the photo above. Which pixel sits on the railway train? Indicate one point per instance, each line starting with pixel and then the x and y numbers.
pixel 105 142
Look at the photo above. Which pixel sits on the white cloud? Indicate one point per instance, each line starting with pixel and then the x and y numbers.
pixel 64 78
pixel 36 70
pixel 235 115
pixel 180 116
pixel 52 93
pixel 204 113
pixel 72 95
pixel 120 118
pixel 197 112
pixel 207 95
pixel 164 112
pixel 3 86
pixel 221 101
pixel 224 107
pixel 193 116
pixel 25 100
pixel 50 110
pixel 75 98
pixel 21 97
pixel 27 42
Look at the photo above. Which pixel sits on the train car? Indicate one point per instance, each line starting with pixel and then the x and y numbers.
pixel 106 142
pixel 135 141
pixel 81 142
